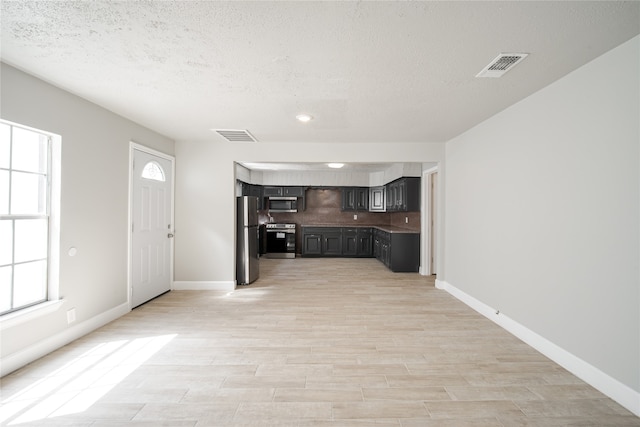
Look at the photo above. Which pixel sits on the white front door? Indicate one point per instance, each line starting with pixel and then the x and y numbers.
pixel 152 230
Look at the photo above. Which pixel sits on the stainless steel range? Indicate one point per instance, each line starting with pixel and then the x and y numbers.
pixel 281 240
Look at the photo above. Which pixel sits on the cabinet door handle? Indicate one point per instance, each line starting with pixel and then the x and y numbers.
pixel 170 235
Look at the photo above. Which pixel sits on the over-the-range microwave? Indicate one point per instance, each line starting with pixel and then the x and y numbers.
pixel 283 204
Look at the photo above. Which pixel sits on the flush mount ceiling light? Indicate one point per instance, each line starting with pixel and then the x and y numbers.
pixel 304 118
pixel 335 165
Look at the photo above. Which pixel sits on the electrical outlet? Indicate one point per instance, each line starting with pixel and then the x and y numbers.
pixel 406 220
pixel 71 316
pixel 355 216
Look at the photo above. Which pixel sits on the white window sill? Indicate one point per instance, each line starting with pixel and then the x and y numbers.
pixel 12 319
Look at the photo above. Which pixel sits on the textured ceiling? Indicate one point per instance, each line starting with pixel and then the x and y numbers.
pixel 366 71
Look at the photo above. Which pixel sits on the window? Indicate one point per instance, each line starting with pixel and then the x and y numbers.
pixel 25 216
pixel 153 171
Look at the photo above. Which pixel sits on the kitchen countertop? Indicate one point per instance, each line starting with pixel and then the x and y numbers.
pixel 387 228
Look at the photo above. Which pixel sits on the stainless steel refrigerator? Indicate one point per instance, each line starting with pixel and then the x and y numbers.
pixel 247 263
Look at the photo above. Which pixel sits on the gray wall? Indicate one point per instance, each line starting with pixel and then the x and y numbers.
pixel 94 199
pixel 542 213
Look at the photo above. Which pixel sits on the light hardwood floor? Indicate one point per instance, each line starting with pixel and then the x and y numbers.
pixel 314 342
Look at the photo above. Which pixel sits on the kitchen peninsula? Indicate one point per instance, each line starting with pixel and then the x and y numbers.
pixel 396 247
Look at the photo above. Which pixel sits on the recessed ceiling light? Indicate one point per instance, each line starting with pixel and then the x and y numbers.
pixel 335 165
pixel 304 118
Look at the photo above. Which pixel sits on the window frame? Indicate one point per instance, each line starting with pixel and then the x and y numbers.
pixel 148 173
pixel 52 299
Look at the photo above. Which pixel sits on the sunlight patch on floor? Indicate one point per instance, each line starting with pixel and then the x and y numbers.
pixel 82 382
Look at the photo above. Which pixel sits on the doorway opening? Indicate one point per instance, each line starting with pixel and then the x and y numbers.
pixel 430 221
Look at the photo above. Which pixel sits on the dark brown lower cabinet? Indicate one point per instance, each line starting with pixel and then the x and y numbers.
pixel 349 243
pixel 398 251
pixel 312 244
pixel 336 242
pixel 357 242
pixel 364 243
pixel 332 243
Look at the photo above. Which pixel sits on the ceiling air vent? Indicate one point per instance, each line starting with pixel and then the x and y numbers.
pixel 503 63
pixel 236 135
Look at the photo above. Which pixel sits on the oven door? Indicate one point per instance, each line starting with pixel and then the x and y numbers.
pixel 281 243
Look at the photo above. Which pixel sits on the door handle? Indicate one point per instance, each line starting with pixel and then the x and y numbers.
pixel 170 235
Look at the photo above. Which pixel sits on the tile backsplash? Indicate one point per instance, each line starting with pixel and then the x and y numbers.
pixel 324 207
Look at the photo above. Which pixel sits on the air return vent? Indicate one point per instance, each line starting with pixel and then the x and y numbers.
pixel 503 63
pixel 236 135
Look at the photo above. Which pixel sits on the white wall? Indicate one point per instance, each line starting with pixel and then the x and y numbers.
pixel 205 217
pixel 317 178
pixel 542 213
pixel 332 177
pixel 94 201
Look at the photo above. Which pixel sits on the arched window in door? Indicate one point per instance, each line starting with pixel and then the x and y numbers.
pixel 153 171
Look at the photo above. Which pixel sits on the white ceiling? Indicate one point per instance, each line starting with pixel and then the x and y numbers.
pixel 366 71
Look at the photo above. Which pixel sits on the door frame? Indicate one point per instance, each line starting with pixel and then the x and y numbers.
pixel 134 146
pixel 426 241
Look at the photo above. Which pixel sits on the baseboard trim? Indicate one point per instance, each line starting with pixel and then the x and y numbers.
pixel 611 387
pixel 186 285
pixel 33 352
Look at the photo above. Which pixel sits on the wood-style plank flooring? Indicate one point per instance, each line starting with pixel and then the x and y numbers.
pixel 314 342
